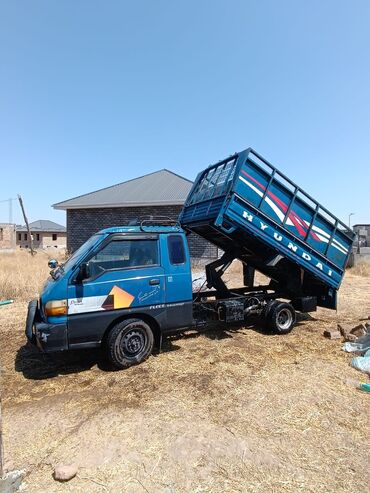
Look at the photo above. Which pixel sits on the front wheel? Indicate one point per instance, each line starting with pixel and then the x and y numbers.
pixel 130 342
pixel 281 317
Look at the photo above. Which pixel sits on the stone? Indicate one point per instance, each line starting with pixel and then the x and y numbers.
pixel 345 329
pixel 359 330
pixel 65 472
pixel 332 334
pixel 351 333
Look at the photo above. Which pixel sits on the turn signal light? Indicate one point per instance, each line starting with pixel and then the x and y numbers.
pixel 56 308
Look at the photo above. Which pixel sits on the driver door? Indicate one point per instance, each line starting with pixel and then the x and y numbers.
pixel 125 273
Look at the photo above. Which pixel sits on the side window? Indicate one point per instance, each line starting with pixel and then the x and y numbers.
pixel 176 249
pixel 120 254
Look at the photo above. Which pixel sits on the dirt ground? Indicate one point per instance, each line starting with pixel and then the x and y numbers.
pixel 235 411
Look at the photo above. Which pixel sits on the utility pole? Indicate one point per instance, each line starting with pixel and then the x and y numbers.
pixel 27 226
pixel 349 218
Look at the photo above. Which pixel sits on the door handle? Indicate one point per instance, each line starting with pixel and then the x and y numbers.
pixel 154 282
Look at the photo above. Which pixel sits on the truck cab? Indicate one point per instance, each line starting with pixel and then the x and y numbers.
pixel 123 288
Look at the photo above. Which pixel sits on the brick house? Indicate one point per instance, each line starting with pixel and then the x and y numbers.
pixel 45 235
pixel 7 236
pixel 161 193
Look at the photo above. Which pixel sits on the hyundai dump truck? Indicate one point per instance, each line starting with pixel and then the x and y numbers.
pixel 129 286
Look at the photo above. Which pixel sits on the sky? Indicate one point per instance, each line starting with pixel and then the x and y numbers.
pixel 93 93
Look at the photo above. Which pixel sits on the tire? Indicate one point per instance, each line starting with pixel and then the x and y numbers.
pixel 281 317
pixel 130 342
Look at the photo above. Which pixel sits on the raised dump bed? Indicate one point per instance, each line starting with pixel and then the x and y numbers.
pixel 253 212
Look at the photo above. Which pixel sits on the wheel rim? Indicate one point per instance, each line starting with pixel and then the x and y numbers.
pixel 133 342
pixel 284 319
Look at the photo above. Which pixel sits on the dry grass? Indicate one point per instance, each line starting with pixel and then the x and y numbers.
pixel 223 411
pixel 361 269
pixel 22 275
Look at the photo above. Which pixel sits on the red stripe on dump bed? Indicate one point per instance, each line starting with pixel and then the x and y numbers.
pixel 300 225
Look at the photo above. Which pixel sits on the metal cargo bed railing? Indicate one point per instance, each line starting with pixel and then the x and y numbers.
pixel 298 192
pixel 216 181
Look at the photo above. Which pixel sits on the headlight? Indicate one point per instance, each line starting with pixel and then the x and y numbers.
pixel 56 308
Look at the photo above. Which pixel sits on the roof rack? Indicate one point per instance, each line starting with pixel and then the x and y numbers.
pixel 158 221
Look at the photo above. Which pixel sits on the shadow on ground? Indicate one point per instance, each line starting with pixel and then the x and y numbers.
pixel 36 365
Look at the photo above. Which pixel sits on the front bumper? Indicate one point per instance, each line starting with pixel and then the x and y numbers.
pixel 47 337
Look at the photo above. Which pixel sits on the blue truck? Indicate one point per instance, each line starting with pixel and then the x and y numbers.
pixel 127 287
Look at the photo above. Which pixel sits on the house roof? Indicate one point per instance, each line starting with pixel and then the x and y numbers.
pixel 43 225
pixel 162 187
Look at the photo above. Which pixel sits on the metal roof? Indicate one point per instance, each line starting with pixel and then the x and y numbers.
pixel 162 187
pixel 43 225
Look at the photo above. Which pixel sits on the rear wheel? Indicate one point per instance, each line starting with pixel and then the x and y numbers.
pixel 130 342
pixel 281 317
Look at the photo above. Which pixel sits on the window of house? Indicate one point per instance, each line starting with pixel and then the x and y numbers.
pixel 37 236
pixel 19 236
pixel 55 237
pixel 25 236
pixel 176 249
pixel 121 254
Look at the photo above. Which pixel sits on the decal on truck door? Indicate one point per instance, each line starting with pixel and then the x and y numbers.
pixel 116 299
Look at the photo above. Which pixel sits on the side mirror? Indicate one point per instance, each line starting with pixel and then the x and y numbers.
pixel 84 271
pixel 53 264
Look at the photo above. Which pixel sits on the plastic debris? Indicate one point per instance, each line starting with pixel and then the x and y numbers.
pixel 360 346
pixel 362 363
pixel 6 302
pixel 11 482
pixel 359 385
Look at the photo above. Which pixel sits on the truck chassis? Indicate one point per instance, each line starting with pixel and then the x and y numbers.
pixel 236 305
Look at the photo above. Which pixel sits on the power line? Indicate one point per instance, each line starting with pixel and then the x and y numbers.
pixel 7 200
pixel 10 202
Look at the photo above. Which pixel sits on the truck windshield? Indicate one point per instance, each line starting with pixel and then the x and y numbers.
pixel 81 252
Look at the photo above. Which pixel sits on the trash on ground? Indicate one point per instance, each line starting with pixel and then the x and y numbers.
pixel 361 345
pixel 359 385
pixel 362 363
pixel 6 302
pixel 11 482
pixel 199 281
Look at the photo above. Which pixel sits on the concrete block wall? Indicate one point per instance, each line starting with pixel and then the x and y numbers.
pixel 82 223
pixel 42 240
pixel 7 236
pixel 359 258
